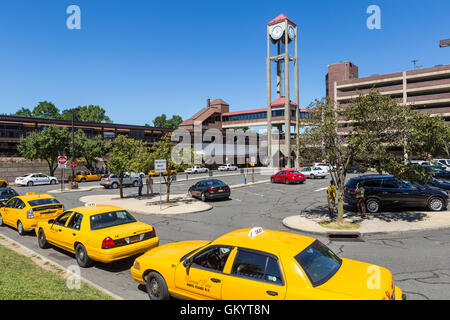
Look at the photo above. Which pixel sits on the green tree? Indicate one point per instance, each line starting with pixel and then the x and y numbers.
pixel 367 130
pixel 23 112
pixel 127 155
pixel 163 122
pixel 90 148
pixel 46 145
pixel 46 110
pixel 162 150
pixel 90 113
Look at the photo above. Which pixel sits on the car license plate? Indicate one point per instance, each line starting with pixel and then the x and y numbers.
pixel 220 190
pixel 134 239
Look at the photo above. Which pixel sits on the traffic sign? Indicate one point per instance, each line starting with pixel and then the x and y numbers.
pixel 160 165
pixel 62 159
pixel 73 164
pixel 62 166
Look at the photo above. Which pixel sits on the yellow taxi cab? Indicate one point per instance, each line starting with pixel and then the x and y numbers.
pixel 97 233
pixel 3 183
pixel 153 173
pixel 257 264
pixel 84 176
pixel 24 212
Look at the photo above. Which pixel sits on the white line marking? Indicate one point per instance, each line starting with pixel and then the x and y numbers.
pixel 256 194
pixel 321 189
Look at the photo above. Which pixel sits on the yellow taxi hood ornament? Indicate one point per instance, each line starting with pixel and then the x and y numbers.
pixel 256 231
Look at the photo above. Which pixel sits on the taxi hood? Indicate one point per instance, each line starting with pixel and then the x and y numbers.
pixel 360 280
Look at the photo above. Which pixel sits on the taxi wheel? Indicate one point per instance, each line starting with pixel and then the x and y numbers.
pixel 20 229
pixel 42 240
pixel 4 185
pixel 83 259
pixel 83 180
pixel 1 220
pixel 157 287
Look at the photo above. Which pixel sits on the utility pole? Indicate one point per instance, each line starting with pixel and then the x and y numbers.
pixel 415 64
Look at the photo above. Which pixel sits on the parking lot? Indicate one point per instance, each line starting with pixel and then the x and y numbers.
pixel 419 261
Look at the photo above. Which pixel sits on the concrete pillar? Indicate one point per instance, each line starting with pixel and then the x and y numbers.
pixel 297 101
pixel 269 102
pixel 287 105
pixel 405 95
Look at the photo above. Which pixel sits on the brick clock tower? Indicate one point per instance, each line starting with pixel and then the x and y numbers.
pixel 281 36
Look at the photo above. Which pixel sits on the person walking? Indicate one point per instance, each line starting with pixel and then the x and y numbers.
pixel 331 198
pixel 140 185
pixel 360 201
pixel 149 183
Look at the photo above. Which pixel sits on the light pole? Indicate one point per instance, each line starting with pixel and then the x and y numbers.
pixel 73 140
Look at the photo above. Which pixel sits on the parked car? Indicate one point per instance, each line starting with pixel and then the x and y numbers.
pixel 24 212
pixel 445 162
pixel 385 191
pixel 438 172
pixel 314 172
pixel 112 181
pixel 288 177
pixel 32 179
pixel 97 233
pixel 3 183
pixel 156 174
pixel 210 189
pixel 84 176
pixel 325 166
pixel 228 167
pixel 356 169
pixel 258 264
pixel 196 169
pixel 6 194
pixel 438 183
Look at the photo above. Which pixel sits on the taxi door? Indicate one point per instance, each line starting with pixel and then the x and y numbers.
pixel 15 209
pixel 203 276
pixel 72 230
pixel 254 275
pixel 6 212
pixel 58 232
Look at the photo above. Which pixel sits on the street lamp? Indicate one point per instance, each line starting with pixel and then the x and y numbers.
pixel 444 43
pixel 73 140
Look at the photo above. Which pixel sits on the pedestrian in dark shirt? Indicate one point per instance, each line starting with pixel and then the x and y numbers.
pixel 360 200
pixel 140 185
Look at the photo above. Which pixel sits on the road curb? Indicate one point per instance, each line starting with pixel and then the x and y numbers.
pixel 32 252
pixel 367 233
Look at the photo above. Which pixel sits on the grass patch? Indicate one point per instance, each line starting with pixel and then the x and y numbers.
pixel 22 279
pixel 336 226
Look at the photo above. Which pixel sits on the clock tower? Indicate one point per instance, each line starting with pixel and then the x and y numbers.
pixel 281 35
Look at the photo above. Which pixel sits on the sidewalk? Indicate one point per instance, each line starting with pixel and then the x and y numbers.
pixel 380 223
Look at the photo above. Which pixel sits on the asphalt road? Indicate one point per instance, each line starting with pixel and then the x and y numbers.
pixel 420 261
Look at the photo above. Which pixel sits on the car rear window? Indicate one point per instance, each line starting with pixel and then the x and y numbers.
pixel 110 219
pixel 41 202
pixel 351 184
pixel 318 262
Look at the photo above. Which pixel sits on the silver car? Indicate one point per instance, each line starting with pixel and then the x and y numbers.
pixel 113 181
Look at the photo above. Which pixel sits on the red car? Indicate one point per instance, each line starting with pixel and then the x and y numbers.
pixel 288 177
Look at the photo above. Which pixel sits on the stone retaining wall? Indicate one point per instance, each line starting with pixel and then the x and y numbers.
pixel 11 168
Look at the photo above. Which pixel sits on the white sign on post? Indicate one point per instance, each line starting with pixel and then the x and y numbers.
pixel 160 165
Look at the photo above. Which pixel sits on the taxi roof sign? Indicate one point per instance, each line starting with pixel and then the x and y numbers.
pixel 30 194
pixel 256 231
pixel 90 204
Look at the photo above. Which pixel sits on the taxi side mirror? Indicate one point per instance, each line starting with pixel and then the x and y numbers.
pixel 51 221
pixel 187 264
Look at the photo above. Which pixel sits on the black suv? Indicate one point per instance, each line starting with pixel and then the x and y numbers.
pixel 383 191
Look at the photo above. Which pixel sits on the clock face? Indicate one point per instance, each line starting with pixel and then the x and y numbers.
pixel 291 32
pixel 277 32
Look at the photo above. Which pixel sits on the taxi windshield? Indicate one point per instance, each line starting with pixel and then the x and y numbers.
pixel 110 219
pixel 41 202
pixel 319 263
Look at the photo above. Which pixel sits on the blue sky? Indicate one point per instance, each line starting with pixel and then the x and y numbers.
pixel 138 59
